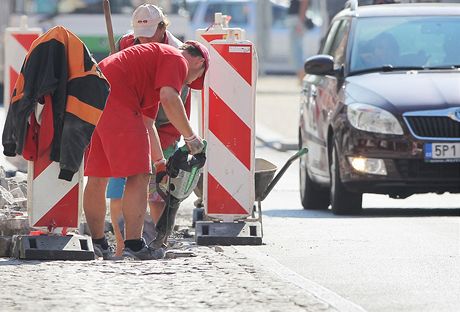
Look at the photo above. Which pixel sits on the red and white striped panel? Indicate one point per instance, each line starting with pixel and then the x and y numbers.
pixel 53 203
pixel 17 44
pixel 230 129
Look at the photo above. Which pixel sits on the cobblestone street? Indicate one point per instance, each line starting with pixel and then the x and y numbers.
pixel 217 279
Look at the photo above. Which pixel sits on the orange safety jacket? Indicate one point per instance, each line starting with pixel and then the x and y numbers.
pixel 60 68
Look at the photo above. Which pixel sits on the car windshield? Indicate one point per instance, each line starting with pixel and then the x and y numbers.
pixel 418 42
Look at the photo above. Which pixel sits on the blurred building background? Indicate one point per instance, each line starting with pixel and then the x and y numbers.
pixel 263 20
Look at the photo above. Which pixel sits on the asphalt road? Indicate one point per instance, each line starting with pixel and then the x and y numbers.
pixel 400 255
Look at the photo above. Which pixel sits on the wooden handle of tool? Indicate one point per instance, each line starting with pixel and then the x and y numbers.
pixel 108 23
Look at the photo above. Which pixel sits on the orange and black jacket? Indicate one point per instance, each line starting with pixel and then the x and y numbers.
pixel 60 68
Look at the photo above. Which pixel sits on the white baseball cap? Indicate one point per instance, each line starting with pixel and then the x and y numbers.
pixel 145 20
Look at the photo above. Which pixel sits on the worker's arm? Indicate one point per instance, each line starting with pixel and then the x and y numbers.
pixel 174 110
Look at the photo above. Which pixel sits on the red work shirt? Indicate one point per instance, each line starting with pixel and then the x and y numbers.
pixel 168 133
pixel 136 75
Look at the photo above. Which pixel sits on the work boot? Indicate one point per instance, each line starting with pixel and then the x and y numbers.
pixel 106 254
pixel 146 253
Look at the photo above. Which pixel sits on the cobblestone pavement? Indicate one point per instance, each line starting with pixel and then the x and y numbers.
pixel 217 279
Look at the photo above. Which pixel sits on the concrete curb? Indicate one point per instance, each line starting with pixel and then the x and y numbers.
pixel 274 140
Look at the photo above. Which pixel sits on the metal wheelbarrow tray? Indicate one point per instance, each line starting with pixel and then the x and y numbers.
pixel 265 179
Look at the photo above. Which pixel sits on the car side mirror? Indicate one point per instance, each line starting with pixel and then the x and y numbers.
pixel 320 65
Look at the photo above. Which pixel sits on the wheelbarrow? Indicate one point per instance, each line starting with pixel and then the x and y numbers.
pixel 265 179
pixel 247 230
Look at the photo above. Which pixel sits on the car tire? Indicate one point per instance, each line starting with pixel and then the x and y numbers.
pixel 343 202
pixel 312 196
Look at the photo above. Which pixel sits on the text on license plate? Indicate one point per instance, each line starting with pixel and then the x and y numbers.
pixel 442 151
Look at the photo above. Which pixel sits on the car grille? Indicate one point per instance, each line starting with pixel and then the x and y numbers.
pixel 412 168
pixel 434 126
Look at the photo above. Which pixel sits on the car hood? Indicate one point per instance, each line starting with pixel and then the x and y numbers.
pixel 406 91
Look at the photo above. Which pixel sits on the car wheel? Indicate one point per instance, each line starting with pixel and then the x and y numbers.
pixel 312 195
pixel 343 202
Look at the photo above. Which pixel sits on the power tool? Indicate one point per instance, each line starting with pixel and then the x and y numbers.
pixel 183 171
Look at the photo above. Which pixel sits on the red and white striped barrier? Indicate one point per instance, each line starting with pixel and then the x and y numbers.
pixel 17 42
pixel 54 205
pixel 229 128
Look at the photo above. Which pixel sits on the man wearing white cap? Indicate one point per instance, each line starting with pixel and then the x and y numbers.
pixel 149 25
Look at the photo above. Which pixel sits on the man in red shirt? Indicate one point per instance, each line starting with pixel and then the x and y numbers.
pixel 149 24
pixel 141 77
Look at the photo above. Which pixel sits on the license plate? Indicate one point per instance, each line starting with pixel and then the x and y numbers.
pixel 442 152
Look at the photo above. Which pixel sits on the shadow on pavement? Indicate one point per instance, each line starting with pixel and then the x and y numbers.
pixel 366 213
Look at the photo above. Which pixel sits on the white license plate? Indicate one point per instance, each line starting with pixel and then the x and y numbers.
pixel 442 151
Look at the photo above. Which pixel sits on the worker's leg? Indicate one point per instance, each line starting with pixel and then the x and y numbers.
pixel 116 215
pixel 156 210
pixel 156 203
pixel 115 190
pixel 134 205
pixel 94 205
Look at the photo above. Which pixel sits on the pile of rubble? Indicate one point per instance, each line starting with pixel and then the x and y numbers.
pixel 13 208
pixel 13 203
pixel 13 194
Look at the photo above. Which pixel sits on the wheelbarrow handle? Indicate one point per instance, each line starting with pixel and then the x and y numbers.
pixel 280 173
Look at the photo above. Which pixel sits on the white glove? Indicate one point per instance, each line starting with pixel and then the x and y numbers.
pixel 194 144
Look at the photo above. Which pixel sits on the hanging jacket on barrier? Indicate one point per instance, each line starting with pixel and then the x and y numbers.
pixel 58 65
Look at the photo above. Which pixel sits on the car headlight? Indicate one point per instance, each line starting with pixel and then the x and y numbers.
pixel 373 119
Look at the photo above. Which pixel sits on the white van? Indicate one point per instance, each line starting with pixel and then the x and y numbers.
pixel 246 14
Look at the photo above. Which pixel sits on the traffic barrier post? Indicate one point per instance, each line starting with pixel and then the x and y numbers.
pixel 229 128
pixel 54 206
